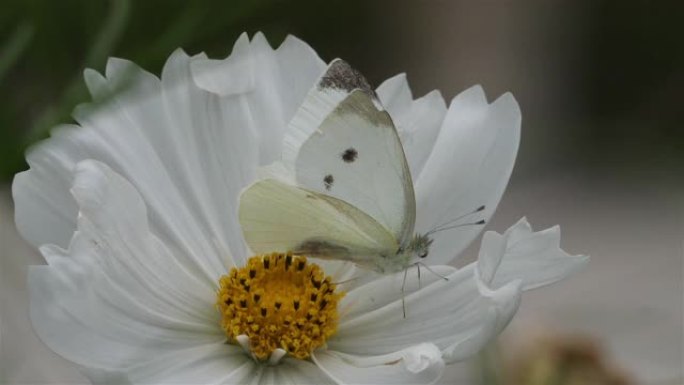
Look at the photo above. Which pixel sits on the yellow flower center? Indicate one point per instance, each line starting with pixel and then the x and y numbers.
pixel 278 301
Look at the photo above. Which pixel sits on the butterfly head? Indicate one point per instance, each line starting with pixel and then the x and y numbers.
pixel 417 248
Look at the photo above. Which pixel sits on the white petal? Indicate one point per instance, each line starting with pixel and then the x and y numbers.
pixel 469 167
pixel 460 315
pixel 417 121
pixel 117 133
pixel 210 364
pixel 117 295
pixel 395 95
pixel 292 371
pixel 230 76
pixel 210 156
pixel 106 377
pixel 521 254
pixel 467 345
pixel 281 79
pixel 45 212
pixel 419 364
pixel 298 76
pixel 188 151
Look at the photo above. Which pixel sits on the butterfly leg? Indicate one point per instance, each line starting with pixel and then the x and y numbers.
pixel 403 297
pixel 418 268
pixel 431 271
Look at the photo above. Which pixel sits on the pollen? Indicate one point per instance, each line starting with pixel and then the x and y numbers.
pixel 279 301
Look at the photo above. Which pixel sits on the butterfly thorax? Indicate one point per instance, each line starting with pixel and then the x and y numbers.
pixel 418 247
pixel 414 250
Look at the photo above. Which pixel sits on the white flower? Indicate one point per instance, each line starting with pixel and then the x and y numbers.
pixel 134 210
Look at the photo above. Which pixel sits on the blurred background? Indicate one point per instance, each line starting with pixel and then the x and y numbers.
pixel 600 87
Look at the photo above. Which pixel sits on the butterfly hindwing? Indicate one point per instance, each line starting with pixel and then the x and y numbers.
pixel 278 217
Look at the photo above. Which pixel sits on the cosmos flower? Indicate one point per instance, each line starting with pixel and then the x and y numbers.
pixel 148 279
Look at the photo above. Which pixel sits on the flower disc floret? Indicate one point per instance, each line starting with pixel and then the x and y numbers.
pixel 279 301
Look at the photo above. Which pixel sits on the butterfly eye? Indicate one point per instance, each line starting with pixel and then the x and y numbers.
pixel 424 255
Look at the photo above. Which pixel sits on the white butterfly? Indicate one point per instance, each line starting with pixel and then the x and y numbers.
pixel 350 195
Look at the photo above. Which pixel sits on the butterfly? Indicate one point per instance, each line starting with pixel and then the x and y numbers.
pixel 343 189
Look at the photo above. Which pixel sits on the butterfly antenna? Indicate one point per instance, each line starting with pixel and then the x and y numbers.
pixel 446 225
pixel 438 230
pixel 458 218
pixel 418 264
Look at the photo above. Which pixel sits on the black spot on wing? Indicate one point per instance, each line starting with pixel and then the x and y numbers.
pixel 342 76
pixel 328 181
pixel 349 155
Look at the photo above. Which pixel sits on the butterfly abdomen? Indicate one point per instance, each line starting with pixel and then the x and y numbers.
pixel 322 249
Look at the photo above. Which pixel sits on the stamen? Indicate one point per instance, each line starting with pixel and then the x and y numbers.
pixel 278 303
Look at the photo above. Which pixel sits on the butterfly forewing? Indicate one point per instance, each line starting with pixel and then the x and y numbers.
pixel 356 156
pixel 333 86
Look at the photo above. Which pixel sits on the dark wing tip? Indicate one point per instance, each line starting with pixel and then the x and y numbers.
pixel 340 75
